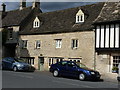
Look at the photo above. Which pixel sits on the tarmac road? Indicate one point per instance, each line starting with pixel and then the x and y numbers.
pixel 38 79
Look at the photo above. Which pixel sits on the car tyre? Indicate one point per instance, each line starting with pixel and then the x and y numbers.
pixel 15 69
pixel 82 76
pixel 55 73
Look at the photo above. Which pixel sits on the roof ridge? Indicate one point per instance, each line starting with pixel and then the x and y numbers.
pixel 71 8
pixel 100 12
pixel 19 9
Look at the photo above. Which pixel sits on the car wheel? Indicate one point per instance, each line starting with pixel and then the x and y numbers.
pixel 15 69
pixel 82 76
pixel 55 73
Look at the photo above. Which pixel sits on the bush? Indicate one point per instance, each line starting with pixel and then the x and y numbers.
pixel 115 69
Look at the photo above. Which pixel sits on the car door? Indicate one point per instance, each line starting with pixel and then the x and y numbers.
pixel 8 63
pixel 62 68
pixel 72 69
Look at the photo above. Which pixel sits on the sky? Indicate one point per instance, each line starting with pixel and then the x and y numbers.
pixel 48 6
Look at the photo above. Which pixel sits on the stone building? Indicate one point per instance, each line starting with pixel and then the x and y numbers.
pixel 12 22
pixel 60 35
pixel 107 35
pixel 89 34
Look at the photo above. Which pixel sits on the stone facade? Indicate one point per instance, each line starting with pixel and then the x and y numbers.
pixel 105 61
pixel 85 50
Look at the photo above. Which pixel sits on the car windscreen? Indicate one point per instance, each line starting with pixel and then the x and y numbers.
pixel 20 60
pixel 81 65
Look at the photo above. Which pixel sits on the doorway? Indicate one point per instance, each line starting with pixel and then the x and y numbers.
pixel 41 63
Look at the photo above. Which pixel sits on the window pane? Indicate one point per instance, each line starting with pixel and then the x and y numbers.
pixel 10 34
pixel 116 61
pixel 74 43
pixel 78 18
pixel 38 44
pixel 58 43
pixel 81 18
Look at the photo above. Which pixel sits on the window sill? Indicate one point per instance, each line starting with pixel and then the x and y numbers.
pixel 35 27
pixel 58 48
pixel 75 48
pixel 79 22
pixel 37 48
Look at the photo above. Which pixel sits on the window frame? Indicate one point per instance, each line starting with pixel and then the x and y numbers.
pixel 10 33
pixel 37 43
pixel 75 43
pixel 79 18
pixel 36 23
pixel 116 61
pixel 58 43
pixel 24 44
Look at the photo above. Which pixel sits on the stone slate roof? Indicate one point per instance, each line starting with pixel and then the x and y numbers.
pixel 109 13
pixel 17 17
pixel 63 21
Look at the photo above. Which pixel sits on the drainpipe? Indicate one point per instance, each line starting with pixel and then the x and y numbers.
pixel 94 40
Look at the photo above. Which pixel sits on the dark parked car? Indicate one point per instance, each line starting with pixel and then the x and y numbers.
pixel 14 64
pixel 70 68
pixel 118 78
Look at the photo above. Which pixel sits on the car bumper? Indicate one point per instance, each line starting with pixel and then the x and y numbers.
pixel 94 77
pixel 26 68
pixel 118 78
pixel 50 70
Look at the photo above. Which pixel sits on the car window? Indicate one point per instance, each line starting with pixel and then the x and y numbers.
pixel 71 64
pixel 20 60
pixel 81 65
pixel 8 59
pixel 63 63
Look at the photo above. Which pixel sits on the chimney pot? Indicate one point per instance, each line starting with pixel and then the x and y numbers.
pixel 3 7
pixel 36 3
pixel 22 4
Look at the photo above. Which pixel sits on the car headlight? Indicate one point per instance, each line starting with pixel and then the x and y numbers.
pixel 20 65
pixel 92 72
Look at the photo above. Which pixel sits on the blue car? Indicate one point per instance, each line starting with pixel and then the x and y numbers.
pixel 73 69
pixel 14 64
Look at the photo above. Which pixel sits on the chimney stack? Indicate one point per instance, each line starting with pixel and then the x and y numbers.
pixel 3 7
pixel 22 4
pixel 36 4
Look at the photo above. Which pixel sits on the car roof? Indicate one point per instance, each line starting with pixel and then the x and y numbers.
pixel 8 58
pixel 68 61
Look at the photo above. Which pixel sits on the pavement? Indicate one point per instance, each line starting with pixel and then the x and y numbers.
pixel 110 77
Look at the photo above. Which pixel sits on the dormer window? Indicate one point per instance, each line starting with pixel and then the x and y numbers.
pixel 80 16
pixel 36 23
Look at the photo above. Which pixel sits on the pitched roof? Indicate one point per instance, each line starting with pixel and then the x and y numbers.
pixel 16 17
pixel 64 20
pixel 109 13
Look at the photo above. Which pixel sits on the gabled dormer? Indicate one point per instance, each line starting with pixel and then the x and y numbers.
pixel 80 16
pixel 36 23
